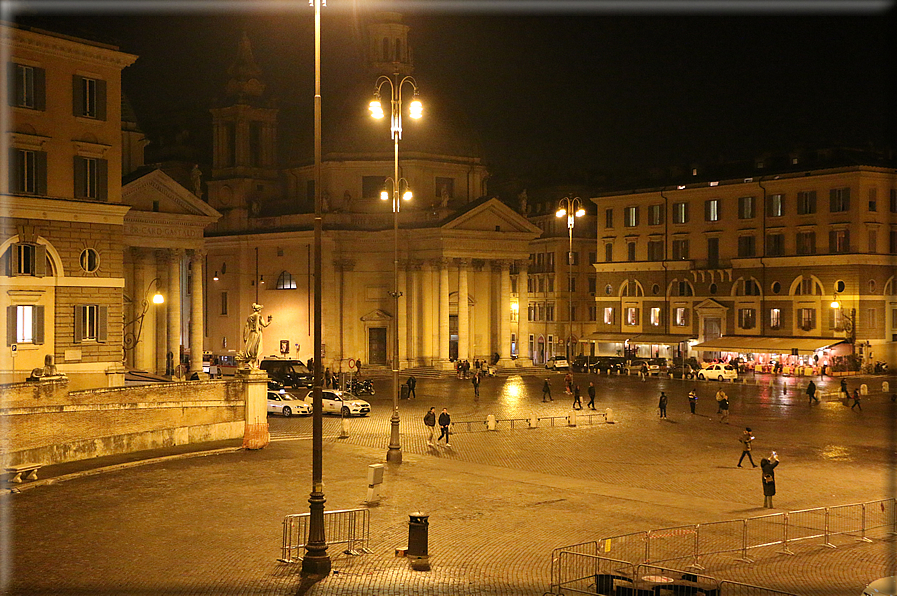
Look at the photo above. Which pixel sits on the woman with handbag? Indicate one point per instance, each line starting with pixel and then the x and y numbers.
pixel 768 474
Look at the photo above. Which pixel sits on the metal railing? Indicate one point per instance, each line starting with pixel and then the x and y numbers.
pixel 575 572
pixel 351 527
pixel 691 542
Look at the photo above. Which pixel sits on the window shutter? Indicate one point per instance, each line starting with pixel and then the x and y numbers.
pixel 40 166
pixel 13 170
pixel 10 325
pixel 102 315
pixel 832 241
pixel 38 324
pixel 846 241
pixel 6 261
pixel 706 210
pixel 11 83
pixel 832 196
pixel 40 89
pixel 101 100
pixel 102 175
pixel 80 176
pixel 79 318
pixel 77 96
pixel 40 260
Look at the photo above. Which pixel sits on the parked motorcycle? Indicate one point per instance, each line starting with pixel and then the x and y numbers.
pixel 365 387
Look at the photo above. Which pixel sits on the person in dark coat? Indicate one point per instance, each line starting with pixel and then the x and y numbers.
pixel 444 421
pixel 576 399
pixel 692 400
pixel 845 391
pixel 591 395
pixel 856 400
pixel 430 422
pixel 811 392
pixel 476 384
pixel 768 474
pixel 662 404
pixel 746 438
pixel 546 391
pixel 412 383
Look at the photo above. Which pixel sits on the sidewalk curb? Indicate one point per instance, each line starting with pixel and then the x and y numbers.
pixel 114 468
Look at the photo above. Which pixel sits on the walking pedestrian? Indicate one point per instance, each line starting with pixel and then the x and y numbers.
pixel 475 380
pixel 546 391
pixel 692 400
pixel 568 383
pixel 591 395
pixel 746 438
pixel 643 372
pixel 724 408
pixel 412 383
pixel 767 469
pixel 811 392
pixel 358 367
pixel 720 396
pixel 576 399
pixel 445 420
pixel 328 377
pixel 844 391
pixel 662 404
pixel 430 422
pixel 856 400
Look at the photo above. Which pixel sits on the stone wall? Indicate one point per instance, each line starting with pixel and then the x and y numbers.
pixel 46 423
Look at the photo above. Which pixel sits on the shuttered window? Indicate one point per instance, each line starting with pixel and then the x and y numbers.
pixel 24 324
pixel 91 323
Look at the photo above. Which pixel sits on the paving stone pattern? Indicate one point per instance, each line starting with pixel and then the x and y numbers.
pixel 498 502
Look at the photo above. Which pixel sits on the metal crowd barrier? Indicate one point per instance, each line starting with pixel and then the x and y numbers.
pixel 351 527
pixel 680 543
pixel 575 572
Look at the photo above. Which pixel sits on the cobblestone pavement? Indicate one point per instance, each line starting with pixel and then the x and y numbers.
pixel 498 502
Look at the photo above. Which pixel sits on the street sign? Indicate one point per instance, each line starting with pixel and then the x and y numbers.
pixel 14 348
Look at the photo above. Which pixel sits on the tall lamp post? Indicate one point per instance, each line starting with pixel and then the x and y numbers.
pixel 394 453
pixel 572 208
pixel 316 560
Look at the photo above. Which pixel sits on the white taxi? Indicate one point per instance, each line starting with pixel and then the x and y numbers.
pixel 281 402
pixel 719 372
pixel 340 402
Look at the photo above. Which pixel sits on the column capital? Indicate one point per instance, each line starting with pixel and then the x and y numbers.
pixel 440 263
pixel 416 264
pixel 462 263
pixel 522 265
pixel 478 264
pixel 198 254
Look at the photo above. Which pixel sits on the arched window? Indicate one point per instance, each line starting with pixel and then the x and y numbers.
pixel 681 287
pixel 285 282
pixel 747 287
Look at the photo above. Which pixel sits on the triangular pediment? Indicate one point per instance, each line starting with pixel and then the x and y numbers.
pixel 157 192
pixel 377 315
pixel 710 305
pixel 492 216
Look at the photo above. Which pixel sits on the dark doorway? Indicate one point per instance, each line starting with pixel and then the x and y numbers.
pixel 377 346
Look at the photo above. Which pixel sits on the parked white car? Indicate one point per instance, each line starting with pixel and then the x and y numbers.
pixel 281 402
pixel 340 402
pixel 557 363
pixel 886 586
pixel 719 372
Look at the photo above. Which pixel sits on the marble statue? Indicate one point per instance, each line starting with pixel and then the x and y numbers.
pixel 252 336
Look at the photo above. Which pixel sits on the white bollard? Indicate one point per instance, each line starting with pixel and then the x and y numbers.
pixel 885 387
pixel 571 418
pixel 609 416
pixel 490 422
pixel 344 429
pixel 864 390
pixel 533 421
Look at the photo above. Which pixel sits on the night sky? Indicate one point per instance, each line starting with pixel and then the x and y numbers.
pixel 552 95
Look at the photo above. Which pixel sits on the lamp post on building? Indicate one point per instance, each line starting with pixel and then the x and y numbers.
pixel 132 337
pixel 316 561
pixel 849 318
pixel 396 83
pixel 572 208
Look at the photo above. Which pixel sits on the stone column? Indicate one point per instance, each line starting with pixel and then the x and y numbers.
pixel 197 259
pixel 141 354
pixel 174 306
pixel 443 350
pixel 463 311
pixel 415 337
pixel 161 259
pixel 428 314
pixel 402 326
pixel 347 325
pixel 255 399
pixel 504 315
pixel 524 357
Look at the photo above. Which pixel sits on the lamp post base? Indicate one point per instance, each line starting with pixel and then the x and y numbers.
pixel 394 455
pixel 316 561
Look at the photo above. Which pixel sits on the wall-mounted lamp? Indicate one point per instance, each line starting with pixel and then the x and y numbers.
pixel 134 329
pixel 215 277
pixel 262 279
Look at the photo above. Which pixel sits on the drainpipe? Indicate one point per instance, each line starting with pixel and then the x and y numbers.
pixel 666 239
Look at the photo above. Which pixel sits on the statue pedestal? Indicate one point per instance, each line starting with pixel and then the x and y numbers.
pixel 255 397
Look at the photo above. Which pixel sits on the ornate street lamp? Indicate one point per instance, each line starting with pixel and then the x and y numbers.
pixel 132 336
pixel 394 454
pixel 572 208
pixel 849 318
pixel 316 560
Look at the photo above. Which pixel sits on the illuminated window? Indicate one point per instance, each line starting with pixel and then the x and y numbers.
pixel 632 315
pixel 746 208
pixel 656 317
pixel 655 214
pixel 680 213
pixel 747 318
pixel 630 217
pixel 775 318
pixel 712 210
pixel 775 205
pixel 609 315
pixel 24 324
pixel 680 316
pixel 285 281
pixel 806 318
